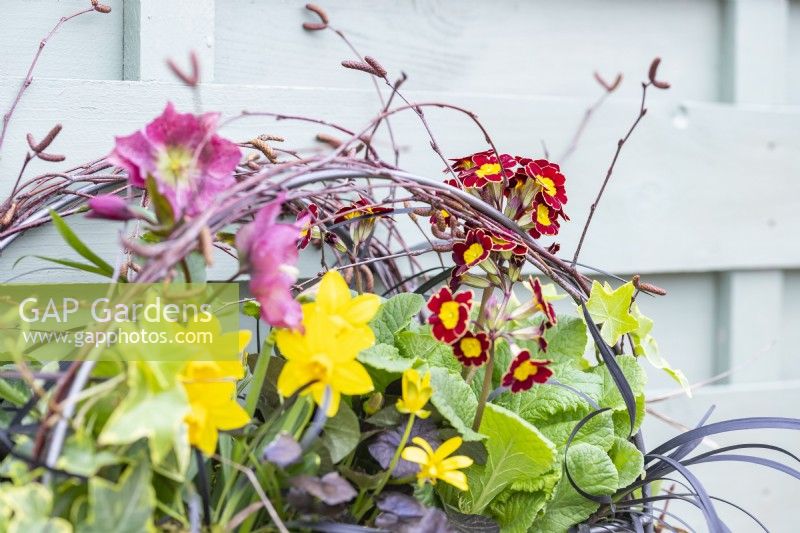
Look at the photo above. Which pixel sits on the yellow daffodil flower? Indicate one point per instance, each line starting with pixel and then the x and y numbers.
pixel 211 390
pixel 349 316
pixel 437 464
pixel 416 393
pixel 313 356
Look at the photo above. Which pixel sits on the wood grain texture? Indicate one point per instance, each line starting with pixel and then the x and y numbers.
pixel 156 31
pixel 89 46
pixel 682 198
pixel 525 47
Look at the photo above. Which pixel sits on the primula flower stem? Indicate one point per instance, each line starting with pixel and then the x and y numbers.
pixel 487 385
pixel 396 456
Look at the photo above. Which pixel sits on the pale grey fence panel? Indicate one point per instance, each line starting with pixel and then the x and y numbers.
pixel 705 197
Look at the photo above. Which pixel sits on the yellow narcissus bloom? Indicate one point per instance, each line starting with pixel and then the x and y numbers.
pixel 324 354
pixel 211 389
pixel 349 316
pixel 416 393
pixel 437 464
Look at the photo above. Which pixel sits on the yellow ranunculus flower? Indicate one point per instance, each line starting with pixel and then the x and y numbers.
pixel 211 389
pixel 437 464
pixel 349 316
pixel 416 393
pixel 335 330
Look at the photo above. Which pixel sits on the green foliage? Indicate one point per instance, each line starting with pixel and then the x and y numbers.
pixel 394 315
pixel 628 461
pixel 123 507
pixel 342 433
pixel 566 341
pixel 516 451
pixel 455 401
pixel 610 307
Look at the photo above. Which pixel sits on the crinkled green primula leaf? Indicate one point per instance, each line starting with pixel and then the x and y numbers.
pixel 628 461
pixel 394 315
pixel 342 433
pixel 515 510
pixel 154 407
pixel 634 374
pixel 592 469
pixel 566 341
pixel 455 401
pixel 516 451
pixel 645 345
pixel 385 357
pixel 610 307
pixel 598 431
pixel 422 345
pixel 123 507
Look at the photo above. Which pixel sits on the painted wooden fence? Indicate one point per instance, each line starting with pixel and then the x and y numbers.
pixel 705 200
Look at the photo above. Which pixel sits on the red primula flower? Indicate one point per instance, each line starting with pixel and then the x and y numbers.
pixel 505 243
pixel 545 219
pixel 450 316
pixel 307 219
pixel 474 249
pixel 524 372
pixel 488 168
pixel 540 304
pixel 472 349
pixel 359 208
pixel 549 178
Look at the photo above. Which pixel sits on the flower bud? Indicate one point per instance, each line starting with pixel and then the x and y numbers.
pixel 111 207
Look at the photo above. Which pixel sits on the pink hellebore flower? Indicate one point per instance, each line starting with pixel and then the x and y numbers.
pixel 109 206
pixel 269 249
pixel 188 161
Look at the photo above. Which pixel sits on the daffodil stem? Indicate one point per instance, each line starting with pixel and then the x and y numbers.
pixel 259 374
pixel 396 456
pixel 487 385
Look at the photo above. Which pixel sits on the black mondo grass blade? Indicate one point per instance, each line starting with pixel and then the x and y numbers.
pixel 739 424
pixel 613 368
pixel 715 525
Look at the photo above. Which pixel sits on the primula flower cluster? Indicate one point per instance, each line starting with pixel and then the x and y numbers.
pixel 450 322
pixel 531 192
pixel 323 355
pixel 363 214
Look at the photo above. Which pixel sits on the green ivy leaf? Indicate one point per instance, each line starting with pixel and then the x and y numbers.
pixel 394 315
pixel 610 307
pixel 628 461
pixel 124 507
pixel 153 408
pixel 342 433
pixel 455 401
pixel 516 451
pixel 645 345
pixel 80 455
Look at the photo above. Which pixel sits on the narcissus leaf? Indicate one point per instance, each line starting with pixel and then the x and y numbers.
pixel 610 307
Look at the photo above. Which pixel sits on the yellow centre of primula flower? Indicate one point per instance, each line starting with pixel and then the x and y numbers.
pixel 543 215
pixel 175 165
pixel 473 253
pixel 488 169
pixel 547 185
pixel 449 314
pixel 525 370
pixel 471 347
